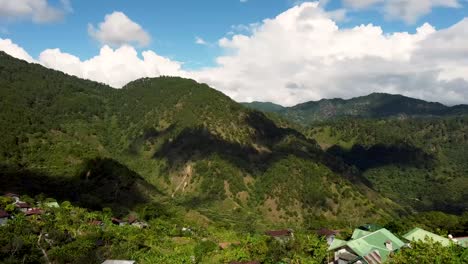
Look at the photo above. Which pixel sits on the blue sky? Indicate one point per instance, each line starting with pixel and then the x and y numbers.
pixel 283 51
pixel 174 25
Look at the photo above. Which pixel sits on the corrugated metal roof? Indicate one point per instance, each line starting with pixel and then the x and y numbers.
pixel 358 233
pixel 371 242
pixel 109 261
pixel 418 234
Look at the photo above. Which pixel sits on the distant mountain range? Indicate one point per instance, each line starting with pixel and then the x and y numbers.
pixel 376 105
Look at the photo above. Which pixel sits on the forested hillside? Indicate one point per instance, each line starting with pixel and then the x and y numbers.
pixel 376 105
pixel 169 140
pixel 422 163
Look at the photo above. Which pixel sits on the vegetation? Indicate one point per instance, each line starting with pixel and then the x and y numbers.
pixel 376 105
pixel 178 154
pixel 420 163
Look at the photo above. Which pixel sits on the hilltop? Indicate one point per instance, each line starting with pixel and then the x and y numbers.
pixel 375 105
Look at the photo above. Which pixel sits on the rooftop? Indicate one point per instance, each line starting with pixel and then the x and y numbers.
pixel 418 234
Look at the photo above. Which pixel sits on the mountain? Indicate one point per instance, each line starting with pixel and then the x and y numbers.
pixel 376 105
pixel 173 141
pixel 265 106
pixel 421 163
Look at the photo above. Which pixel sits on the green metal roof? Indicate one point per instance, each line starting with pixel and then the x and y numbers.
pixel 367 243
pixel 418 234
pixel 358 233
pixel 462 241
pixel 337 243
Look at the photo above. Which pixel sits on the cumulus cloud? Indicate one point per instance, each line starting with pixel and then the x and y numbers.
pixel 300 55
pixel 14 50
pixel 117 29
pixel 303 55
pixel 39 11
pixel 114 67
pixel 408 10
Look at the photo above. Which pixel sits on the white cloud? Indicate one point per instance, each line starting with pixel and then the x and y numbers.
pixel 200 41
pixel 14 50
pixel 114 67
pixel 408 10
pixel 39 11
pixel 303 55
pixel 298 56
pixel 117 29
pixel 359 4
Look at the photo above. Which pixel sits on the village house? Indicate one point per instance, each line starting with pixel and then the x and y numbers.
pixel 462 241
pixel 133 220
pixel 365 247
pixel 34 211
pixel 328 234
pixel 110 261
pixel 418 234
pixel 4 216
pixel 244 262
pixel 23 207
pixel 13 196
pixel 226 245
pixel 281 235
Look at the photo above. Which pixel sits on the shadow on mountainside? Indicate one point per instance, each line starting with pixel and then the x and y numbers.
pixel 379 155
pixel 101 183
pixel 271 144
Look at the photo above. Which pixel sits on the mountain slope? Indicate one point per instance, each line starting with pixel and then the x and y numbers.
pixel 376 105
pixel 421 162
pixel 167 139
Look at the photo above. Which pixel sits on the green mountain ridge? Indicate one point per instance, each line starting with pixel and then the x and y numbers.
pixel 375 105
pixel 169 140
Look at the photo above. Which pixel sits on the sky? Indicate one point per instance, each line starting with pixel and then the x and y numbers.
pixel 282 51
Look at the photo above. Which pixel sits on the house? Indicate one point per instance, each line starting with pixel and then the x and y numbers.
pixel 133 220
pixel 328 234
pixel 110 261
pixel 51 205
pixel 117 221
pixel 418 234
pixel 462 241
pixel 34 211
pixel 22 206
pixel 244 262
pixel 281 235
pixel 365 247
pixel 3 217
pixel 96 223
pixel 226 245
pixel 13 196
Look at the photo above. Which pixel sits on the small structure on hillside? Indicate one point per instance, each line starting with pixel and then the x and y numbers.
pixel 365 247
pixel 133 220
pixel 110 261
pixel 462 241
pixel 281 235
pixel 23 207
pixel 328 234
pixel 117 221
pixel 96 223
pixel 34 211
pixel 51 205
pixel 226 245
pixel 419 234
pixel 13 196
pixel 244 262
pixel 4 216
